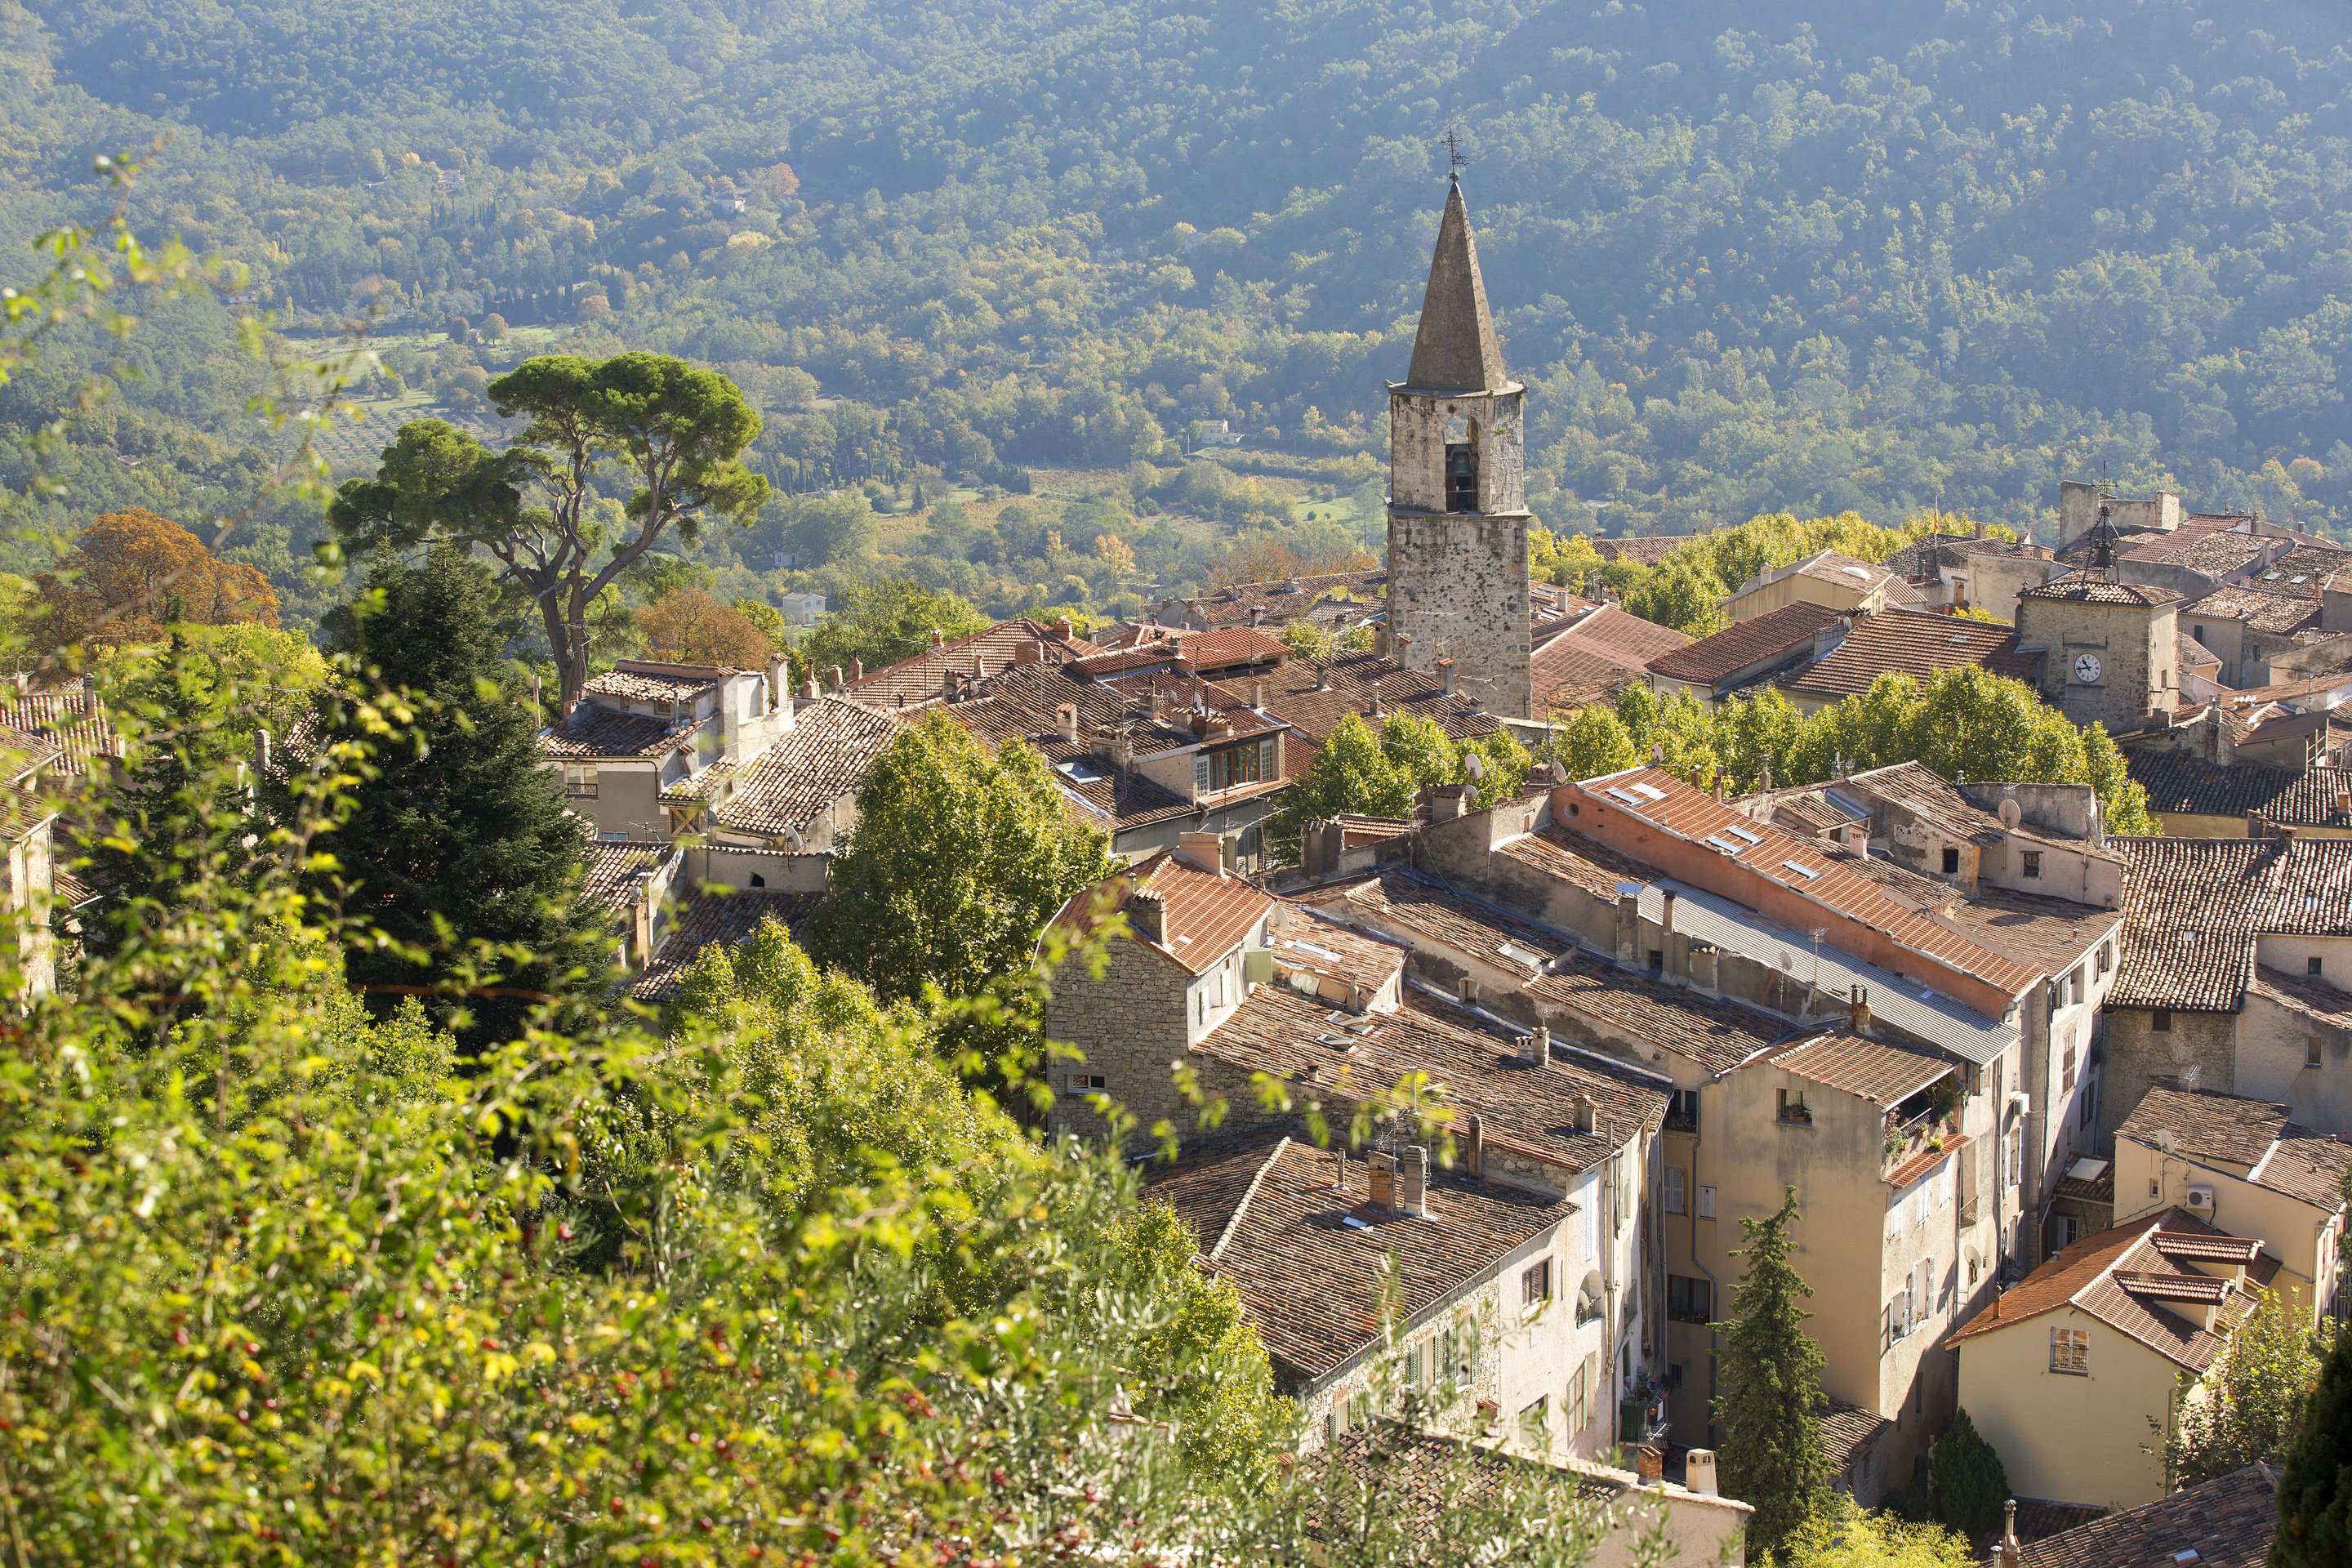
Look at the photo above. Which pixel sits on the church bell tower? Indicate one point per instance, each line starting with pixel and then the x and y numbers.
pixel 1457 490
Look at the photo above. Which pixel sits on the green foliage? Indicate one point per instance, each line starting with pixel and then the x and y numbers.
pixel 883 622
pixel 1679 596
pixel 1382 773
pixel 1967 1489
pixel 458 848
pixel 2248 1409
pixel 1966 723
pixel 956 862
pixel 1769 1387
pixel 672 433
pixel 1593 741
pixel 1840 1535
pixel 2314 1494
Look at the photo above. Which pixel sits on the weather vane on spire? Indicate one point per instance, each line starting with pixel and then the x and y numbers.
pixel 1454 157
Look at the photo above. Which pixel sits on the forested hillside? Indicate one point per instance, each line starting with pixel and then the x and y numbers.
pixel 1822 257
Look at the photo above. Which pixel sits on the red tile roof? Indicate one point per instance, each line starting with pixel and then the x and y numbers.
pixel 2269 1148
pixel 1744 645
pixel 2084 589
pixel 1313 695
pixel 1207 912
pixel 2124 1278
pixel 640 680
pixel 1913 642
pixel 592 733
pixel 2261 609
pixel 1606 651
pixel 1879 1071
pixel 1673 804
pixel 913 682
pixel 824 757
pixel 2227 1522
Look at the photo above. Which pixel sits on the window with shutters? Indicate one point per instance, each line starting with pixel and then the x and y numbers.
pixel 1677 1193
pixel 1535 1285
pixel 1690 1300
pixel 2066 1068
pixel 2070 1351
pixel 1232 767
pixel 1705 1201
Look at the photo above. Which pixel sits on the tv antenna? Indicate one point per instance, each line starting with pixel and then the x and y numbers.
pixel 1454 157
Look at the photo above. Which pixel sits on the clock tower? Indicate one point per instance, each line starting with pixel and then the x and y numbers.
pixel 2109 650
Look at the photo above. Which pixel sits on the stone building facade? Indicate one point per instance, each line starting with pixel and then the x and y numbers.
pixel 1457 502
pixel 2110 650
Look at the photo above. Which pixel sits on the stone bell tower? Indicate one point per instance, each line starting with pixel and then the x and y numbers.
pixel 1457 490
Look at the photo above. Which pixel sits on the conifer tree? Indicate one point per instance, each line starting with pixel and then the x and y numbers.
pixel 2314 1495
pixel 1967 1485
pixel 457 847
pixel 1770 1393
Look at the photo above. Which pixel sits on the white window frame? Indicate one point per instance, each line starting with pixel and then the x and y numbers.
pixel 2070 1351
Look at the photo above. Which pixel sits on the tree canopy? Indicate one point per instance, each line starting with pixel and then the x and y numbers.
pixel 130 574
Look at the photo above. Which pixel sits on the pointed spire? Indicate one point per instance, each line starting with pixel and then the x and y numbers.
pixel 1455 350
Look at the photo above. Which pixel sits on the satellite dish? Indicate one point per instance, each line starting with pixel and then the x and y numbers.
pixel 2166 1140
pixel 2011 815
pixel 1475 766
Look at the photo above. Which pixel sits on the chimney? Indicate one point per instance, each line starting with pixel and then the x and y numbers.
pixel 1202 851
pixel 261 753
pixel 1066 716
pixel 1588 1114
pixel 1629 922
pixel 1413 1182
pixel 1447 802
pixel 1764 774
pixel 1384 1182
pixel 1860 1023
pixel 1980 530
pixel 1477 1148
pixel 1534 1050
pixel 1257 614
pixel 856 669
pixel 809 693
pixel 1063 629
pixel 937 640
pixel 836 677
pixel 1541 776
pixel 1446 675
pixel 1650 1462
pixel 2011 1554
pixel 1152 700
pixel 535 702
pixel 1257 695
pixel 1147 915
pixel 1698 1465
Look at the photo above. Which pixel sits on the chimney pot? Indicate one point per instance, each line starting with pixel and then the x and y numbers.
pixel 1699 1472
pixel 1588 1114
pixel 1067 717
pixel 836 677
pixel 1147 915
pixel 2011 1553
pixel 937 640
pixel 1064 629
pixel 1445 673
pixel 1861 1007
pixel 1384 1182
pixel 1257 695
pixel 856 669
pixel 1413 1182
pixel 1478 1148
pixel 808 690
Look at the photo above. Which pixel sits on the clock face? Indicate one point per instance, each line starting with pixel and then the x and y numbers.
pixel 2086 669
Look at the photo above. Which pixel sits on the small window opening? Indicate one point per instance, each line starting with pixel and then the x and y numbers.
pixel 1951 861
pixel 2311 965
pixel 758 880
pixel 1461 465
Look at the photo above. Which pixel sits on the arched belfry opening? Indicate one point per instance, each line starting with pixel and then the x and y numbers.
pixel 1462 464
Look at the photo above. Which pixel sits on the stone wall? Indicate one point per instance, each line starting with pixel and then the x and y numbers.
pixel 2134 646
pixel 1457 581
pixel 2138 1053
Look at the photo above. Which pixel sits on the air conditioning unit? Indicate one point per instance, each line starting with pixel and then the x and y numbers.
pixel 2201 1202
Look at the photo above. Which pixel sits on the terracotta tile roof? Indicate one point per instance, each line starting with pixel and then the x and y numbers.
pixel 824 757
pixel 1849 1431
pixel 1768 639
pixel 715 915
pixel 2256 1136
pixel 613 872
pixel 2083 589
pixel 1717 1036
pixel 1832 566
pixel 2195 655
pixel 1913 642
pixel 2260 609
pixel 2291 797
pixel 73 724
pixel 2084 1277
pixel 2216 553
pixel 2191 910
pixel 1313 695
pixel 1311 946
pixel 1608 648
pixel 913 682
pixel 1352 595
pixel 2053 934
pixel 1024 703
pixel 2039 1519
pixel 1343 1056
pixel 1584 862
pixel 1646 550
pixel 2227 1522
pixel 639 680
pixel 708 784
pixel 1879 1071
pixel 1320 1269
pixel 591 732
pixel 2302 994
pixel 1426 1480
pixel 1922 560
pixel 1802 866
pixel 1233 648
pixel 2302 570
pixel 1206 912
pixel 1396 899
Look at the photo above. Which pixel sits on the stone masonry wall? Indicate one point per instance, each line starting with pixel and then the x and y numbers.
pixel 2138 1054
pixel 1458 581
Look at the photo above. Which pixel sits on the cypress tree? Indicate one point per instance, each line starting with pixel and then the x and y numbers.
pixel 1770 1388
pixel 459 846
pixel 1967 1485
pixel 2314 1495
